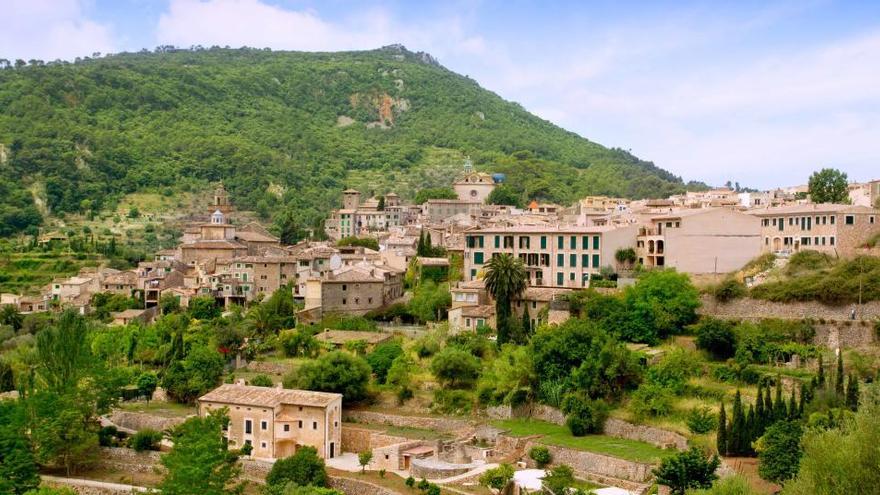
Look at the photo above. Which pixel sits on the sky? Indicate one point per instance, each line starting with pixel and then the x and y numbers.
pixel 761 93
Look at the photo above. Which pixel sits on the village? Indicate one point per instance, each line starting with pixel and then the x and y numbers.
pixel 380 252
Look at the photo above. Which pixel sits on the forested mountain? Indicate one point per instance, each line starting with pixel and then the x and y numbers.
pixel 285 131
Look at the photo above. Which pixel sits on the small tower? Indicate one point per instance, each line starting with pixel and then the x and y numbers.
pixel 221 200
pixel 468 165
pixel 392 200
pixel 218 218
pixel 350 199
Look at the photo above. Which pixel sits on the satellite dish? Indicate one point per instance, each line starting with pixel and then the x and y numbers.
pixel 335 262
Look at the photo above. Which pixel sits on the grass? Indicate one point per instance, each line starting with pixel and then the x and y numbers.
pixel 601 444
pixel 159 408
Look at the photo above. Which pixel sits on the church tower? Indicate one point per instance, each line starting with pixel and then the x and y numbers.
pixel 221 200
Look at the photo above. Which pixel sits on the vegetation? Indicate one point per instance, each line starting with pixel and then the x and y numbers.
pixel 685 470
pixel 304 468
pixel 816 278
pixel 541 455
pixel 157 121
pixel 505 280
pixel 335 371
pixel 146 439
pixel 498 477
pixel 828 186
pixel 779 451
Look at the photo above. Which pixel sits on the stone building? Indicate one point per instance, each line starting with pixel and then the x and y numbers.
pixel 352 290
pixel 703 240
pixel 356 218
pixel 472 185
pixel 831 228
pixel 557 256
pixel 276 422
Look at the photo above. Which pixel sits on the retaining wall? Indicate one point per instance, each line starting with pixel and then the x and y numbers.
pixel 141 421
pixel 747 308
pixel 423 422
pixel 350 486
pixel 362 439
pixel 129 461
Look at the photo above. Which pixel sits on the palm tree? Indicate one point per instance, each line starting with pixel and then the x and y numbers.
pixel 505 279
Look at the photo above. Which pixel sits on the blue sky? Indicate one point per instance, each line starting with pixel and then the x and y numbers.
pixel 762 93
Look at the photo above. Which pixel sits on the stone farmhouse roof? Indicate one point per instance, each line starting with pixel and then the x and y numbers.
pixel 247 395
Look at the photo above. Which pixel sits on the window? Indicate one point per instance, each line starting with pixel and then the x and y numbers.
pixel 534 304
pixel 344 287
pixel 473 273
pixel 300 424
pixel 478 257
pixel 585 242
pixel 585 261
pixel 849 219
pixel 286 427
pixel 573 243
pixel 344 301
pixel 595 242
pixel 766 241
pixel 467 322
pixel 545 259
pixel 508 242
pixel 871 219
pixel 560 259
pixel 262 445
pixel 595 261
pixel 543 242
pixel 264 425
pixel 765 222
pixel 559 279
pixel 833 218
pixel 314 425
pixel 525 242
pixel 573 260
pixel 571 276
pixel 560 242
pixel 831 239
pixel 497 241
pixel 248 427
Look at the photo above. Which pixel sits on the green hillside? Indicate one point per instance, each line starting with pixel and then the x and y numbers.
pixel 285 131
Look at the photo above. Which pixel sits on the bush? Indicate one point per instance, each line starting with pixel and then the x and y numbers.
pixel 728 290
pixel 584 415
pixel 685 470
pixel 146 439
pixel 304 468
pixel 716 337
pixel 382 357
pixel 262 381
pixel 651 399
pixel 455 368
pixel 541 455
pixel 498 477
pixel 335 371
pixel 701 420
pixel 298 343
pixel 452 402
pixel 559 480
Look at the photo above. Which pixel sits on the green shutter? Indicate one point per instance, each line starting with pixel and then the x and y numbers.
pixel 595 261
pixel 497 241
pixel 596 242
pixel 560 260
pixel 560 242
pixel 585 261
pixel 585 242
pixel 478 258
pixel 543 242
pixel 573 242
pixel 573 260
pixel 559 279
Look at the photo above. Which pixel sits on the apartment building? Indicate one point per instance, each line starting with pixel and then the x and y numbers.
pixel 356 218
pixel 556 256
pixel 275 421
pixel 832 228
pixel 704 240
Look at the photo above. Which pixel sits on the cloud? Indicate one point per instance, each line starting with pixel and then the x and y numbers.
pixel 51 29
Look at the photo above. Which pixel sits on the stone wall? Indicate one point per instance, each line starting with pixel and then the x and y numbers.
pixel 350 486
pixel 433 470
pixel 594 465
pixel 140 421
pixel 423 422
pixel 361 439
pixel 89 487
pixel 846 334
pixel 747 308
pixel 267 368
pixel 655 436
pixel 129 461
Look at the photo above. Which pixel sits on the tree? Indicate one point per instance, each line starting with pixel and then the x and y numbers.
pixel 434 193
pixel 584 415
pixel 185 380
pixel 839 377
pixel 659 305
pixel 504 195
pixel 146 439
pixel 146 384
pixel 828 186
pixel 779 451
pixel 364 458
pixel 199 463
pixel 821 373
pixel 721 437
pixel 169 303
pixel 381 205
pixel 497 478
pixel 430 301
pixel 304 468
pixel 716 337
pixel 689 469
pixel 455 368
pixel 336 371
pixel 730 485
pixel 700 420
pixel 261 380
pixel 541 455
pixel 63 354
pixel 505 280
pixel 203 308
pixel 10 316
pixel 18 467
pixel 843 459
pixel 625 256
pixel 852 393
pixel 382 357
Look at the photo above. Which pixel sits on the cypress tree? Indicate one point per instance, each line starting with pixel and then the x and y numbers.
pixel 838 380
pixel 721 439
pixel 750 430
pixel 779 411
pixel 803 401
pixel 792 406
pixel 526 320
pixel 852 393
pixel 429 245
pixel 420 247
pixel 759 411
pixel 738 426
pixel 821 374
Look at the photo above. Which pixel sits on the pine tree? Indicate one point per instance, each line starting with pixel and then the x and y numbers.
pixel 838 379
pixel 738 426
pixel 821 374
pixel 852 393
pixel 381 205
pixel 721 439
pixel 792 406
pixel 429 245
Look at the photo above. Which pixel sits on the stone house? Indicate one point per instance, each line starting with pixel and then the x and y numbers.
pixel 353 290
pixel 703 240
pixel 276 422
pixel 554 256
pixel 830 228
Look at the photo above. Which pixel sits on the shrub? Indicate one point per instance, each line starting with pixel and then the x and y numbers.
pixel 498 477
pixel 410 481
pixel 541 455
pixel 651 399
pixel 689 469
pixel 584 415
pixel 146 439
pixel 701 420
pixel 728 290
pixel 716 337
pixel 304 468
pixel 455 367
pixel 559 480
pixel 335 371
pixel 262 381
pixel 381 359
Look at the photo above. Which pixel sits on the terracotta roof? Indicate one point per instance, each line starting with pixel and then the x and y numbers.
pixel 472 284
pixel 255 237
pixel 122 278
pixel 485 311
pixel 218 244
pixel 248 395
pixel 812 208
pixel 128 313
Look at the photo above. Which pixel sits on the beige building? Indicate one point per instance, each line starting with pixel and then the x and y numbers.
pixel 353 290
pixel 438 210
pixel 704 240
pixel 276 422
pixel 832 228
pixel 356 218
pixel 562 256
pixel 472 185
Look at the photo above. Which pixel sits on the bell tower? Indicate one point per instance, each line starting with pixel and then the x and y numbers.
pixel 221 200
